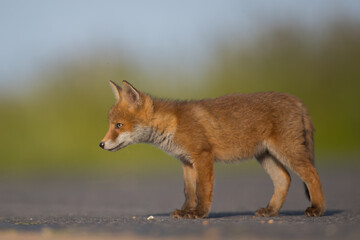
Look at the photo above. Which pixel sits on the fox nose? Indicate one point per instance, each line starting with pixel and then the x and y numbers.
pixel 102 145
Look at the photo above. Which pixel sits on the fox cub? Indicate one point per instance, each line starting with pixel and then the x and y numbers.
pixel 275 128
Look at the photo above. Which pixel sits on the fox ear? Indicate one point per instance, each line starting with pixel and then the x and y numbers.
pixel 116 89
pixel 131 95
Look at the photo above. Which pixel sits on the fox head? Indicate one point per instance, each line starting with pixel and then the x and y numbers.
pixel 129 118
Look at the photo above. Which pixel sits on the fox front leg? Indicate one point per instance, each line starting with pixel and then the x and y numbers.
pixel 190 203
pixel 198 177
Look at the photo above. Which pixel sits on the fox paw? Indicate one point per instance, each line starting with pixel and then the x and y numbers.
pixel 189 213
pixel 314 212
pixel 178 213
pixel 266 212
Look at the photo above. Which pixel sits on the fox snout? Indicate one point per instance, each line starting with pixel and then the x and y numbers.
pixel 112 147
pixel 114 141
pixel 117 144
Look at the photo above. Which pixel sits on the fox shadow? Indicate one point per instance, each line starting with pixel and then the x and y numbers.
pixel 281 213
pixel 250 214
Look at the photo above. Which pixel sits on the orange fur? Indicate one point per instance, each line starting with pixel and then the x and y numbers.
pixel 275 128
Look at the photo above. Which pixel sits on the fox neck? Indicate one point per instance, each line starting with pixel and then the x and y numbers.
pixel 163 128
pixel 163 121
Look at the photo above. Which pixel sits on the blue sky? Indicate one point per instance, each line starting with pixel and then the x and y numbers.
pixel 35 32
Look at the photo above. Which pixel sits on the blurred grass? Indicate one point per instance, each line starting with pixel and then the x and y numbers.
pixel 56 125
pixel 324 72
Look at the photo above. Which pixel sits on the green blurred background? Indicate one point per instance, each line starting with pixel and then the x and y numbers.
pixel 54 117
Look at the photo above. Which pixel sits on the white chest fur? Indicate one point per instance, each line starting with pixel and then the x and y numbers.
pixel 165 141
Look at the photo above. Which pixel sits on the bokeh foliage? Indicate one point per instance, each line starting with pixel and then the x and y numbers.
pixel 56 125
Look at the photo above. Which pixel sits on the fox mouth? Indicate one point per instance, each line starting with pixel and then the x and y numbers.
pixel 118 147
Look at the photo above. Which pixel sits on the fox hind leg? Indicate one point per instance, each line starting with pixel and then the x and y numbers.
pixel 309 175
pixel 298 159
pixel 281 181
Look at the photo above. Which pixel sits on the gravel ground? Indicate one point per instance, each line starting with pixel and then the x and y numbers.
pixel 109 208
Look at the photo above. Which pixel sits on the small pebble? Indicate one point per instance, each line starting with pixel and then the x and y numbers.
pixel 133 217
pixel 270 221
pixel 150 218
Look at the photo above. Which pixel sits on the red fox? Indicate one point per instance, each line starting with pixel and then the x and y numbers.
pixel 275 128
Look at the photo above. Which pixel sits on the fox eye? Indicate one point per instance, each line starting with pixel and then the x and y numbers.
pixel 118 125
